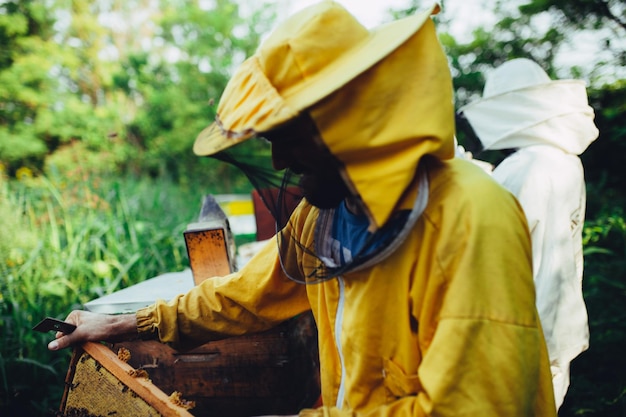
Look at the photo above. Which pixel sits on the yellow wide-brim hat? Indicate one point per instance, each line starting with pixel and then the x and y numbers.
pixel 309 56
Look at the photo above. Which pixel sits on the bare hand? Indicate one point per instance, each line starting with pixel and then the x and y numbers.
pixel 94 327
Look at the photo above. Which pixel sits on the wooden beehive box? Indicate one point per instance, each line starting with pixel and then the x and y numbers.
pixel 207 248
pixel 270 373
pixel 98 383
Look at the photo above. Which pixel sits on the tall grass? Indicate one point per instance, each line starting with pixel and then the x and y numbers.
pixel 65 243
pixel 598 387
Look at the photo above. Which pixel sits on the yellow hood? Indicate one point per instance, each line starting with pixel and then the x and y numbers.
pixel 381 99
pixel 384 121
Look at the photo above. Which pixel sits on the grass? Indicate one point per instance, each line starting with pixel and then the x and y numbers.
pixel 598 381
pixel 64 243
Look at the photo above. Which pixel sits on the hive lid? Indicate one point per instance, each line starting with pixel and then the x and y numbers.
pixel 143 294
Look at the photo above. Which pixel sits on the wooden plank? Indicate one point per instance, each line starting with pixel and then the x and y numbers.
pixel 270 373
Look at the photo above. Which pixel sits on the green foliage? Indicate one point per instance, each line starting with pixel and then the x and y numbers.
pixel 21 146
pixel 603 161
pixel 515 35
pixel 606 19
pixel 67 240
pixel 137 89
pixel 598 387
pixel 177 95
pixel 39 109
pixel 539 30
pixel 581 14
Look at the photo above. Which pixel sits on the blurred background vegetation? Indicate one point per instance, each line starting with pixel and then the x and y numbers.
pixel 100 103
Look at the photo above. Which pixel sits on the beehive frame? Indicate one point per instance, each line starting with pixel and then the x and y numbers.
pixel 98 383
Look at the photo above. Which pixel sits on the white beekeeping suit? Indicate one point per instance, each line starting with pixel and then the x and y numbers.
pixel 549 124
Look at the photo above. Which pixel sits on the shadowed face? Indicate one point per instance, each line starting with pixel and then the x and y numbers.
pixel 298 147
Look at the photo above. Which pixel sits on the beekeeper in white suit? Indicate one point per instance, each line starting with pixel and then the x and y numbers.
pixel 548 124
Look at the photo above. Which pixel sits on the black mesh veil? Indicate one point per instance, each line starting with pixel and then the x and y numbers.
pixel 279 189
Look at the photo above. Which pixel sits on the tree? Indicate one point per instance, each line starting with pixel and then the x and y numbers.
pixel 180 88
pixel 591 24
pixel 52 82
pixel 25 87
pixel 130 82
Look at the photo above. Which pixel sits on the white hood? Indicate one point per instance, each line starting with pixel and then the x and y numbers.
pixel 523 107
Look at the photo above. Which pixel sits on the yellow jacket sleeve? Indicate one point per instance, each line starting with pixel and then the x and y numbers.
pixel 256 298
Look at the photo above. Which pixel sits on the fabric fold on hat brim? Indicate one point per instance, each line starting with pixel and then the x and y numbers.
pixel 250 105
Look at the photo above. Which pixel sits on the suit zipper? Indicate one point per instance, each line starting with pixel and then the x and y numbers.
pixel 338 325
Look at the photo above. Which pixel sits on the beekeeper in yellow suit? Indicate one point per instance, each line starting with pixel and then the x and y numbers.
pixel 416 265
